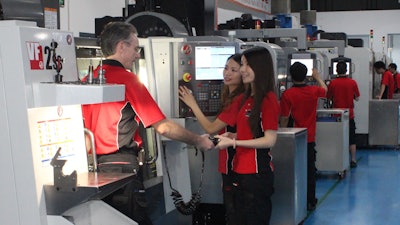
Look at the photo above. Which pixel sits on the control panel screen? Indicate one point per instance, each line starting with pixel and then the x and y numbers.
pixel 334 63
pixel 210 61
pixel 334 68
pixel 309 63
pixel 306 58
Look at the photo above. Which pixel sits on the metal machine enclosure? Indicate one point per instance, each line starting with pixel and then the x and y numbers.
pixel 306 58
pixel 207 93
pixel 155 71
pixel 279 61
pixel 384 122
pixel 312 59
pixel 362 73
pixel 289 200
pixel 44 12
pixel 199 67
pixel 332 140
pixel 27 85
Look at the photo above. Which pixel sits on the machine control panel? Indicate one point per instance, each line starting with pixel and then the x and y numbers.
pixel 207 95
pixel 306 58
pixel 200 68
pixel 334 62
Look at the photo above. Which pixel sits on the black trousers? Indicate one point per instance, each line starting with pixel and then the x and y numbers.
pixel 229 193
pixel 253 198
pixel 311 175
pixel 130 199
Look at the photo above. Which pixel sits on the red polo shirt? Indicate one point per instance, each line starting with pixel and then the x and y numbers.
pixel 343 91
pixel 301 102
pixel 387 79
pixel 251 160
pixel 115 124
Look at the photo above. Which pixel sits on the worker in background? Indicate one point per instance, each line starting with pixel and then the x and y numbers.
pixel 300 102
pixel 114 124
pixel 387 82
pixel 343 91
pixel 393 69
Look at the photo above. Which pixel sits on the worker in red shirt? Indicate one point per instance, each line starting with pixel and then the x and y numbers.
pixel 115 124
pixel 387 82
pixel 300 102
pixel 343 91
pixel 393 69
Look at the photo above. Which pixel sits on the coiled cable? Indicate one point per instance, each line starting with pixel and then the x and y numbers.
pixel 186 208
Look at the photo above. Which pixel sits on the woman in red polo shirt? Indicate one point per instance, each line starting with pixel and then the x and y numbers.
pixel 233 86
pixel 256 115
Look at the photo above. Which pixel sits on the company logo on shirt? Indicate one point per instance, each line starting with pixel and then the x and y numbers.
pixel 247 112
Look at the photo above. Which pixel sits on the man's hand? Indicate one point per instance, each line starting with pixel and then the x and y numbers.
pixel 205 144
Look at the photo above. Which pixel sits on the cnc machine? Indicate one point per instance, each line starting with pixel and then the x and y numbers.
pixel 44 162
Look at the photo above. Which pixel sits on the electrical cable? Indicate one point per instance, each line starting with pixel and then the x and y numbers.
pixel 186 208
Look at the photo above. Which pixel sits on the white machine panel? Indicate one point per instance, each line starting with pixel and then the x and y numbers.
pixel 155 70
pixel 362 73
pixel 52 128
pixel 31 60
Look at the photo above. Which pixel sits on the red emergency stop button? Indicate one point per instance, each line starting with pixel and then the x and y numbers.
pixel 187 77
pixel 186 49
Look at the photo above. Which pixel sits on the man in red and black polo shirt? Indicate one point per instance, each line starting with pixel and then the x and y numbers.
pixel 115 124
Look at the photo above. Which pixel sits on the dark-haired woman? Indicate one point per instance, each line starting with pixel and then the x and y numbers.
pixel 233 86
pixel 256 115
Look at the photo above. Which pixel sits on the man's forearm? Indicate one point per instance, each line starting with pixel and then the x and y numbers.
pixel 174 131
